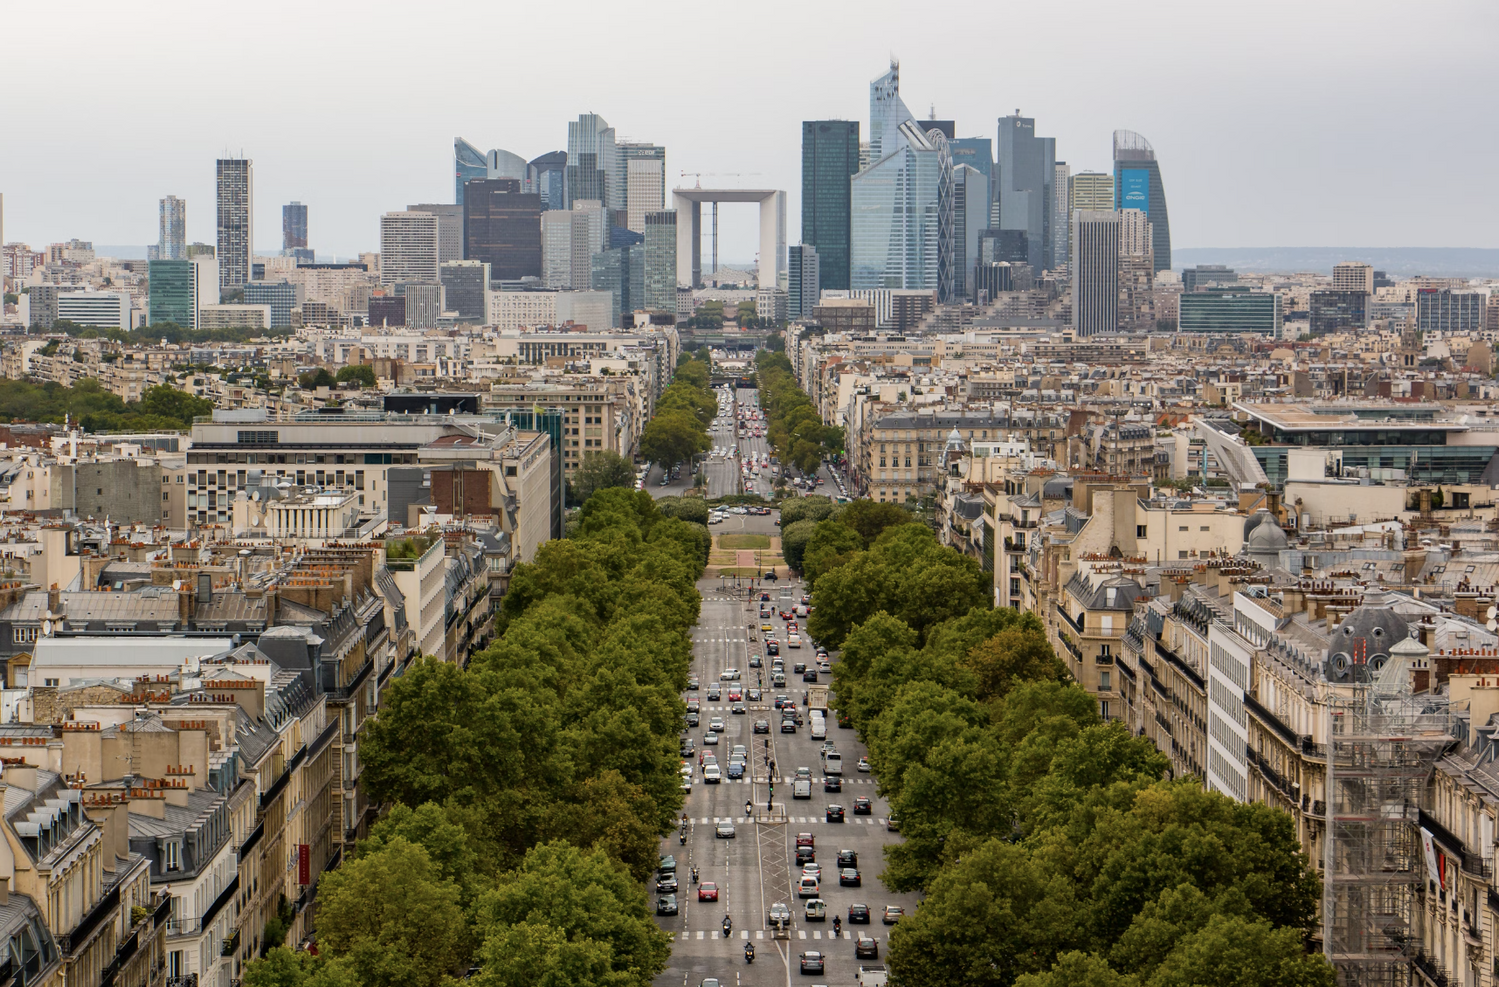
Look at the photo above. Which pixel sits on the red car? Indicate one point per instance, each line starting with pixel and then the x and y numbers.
pixel 805 839
pixel 787 615
pixel 735 695
pixel 707 891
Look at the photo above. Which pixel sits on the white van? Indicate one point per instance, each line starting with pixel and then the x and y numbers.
pixel 793 640
pixel 832 764
pixel 808 888
pixel 819 728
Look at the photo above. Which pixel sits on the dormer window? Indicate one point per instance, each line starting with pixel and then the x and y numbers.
pixel 172 857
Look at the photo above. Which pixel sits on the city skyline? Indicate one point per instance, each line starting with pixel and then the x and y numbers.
pixel 1222 119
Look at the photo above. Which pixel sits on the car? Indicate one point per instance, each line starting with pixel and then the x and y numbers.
pixel 763 726
pixel 816 910
pixel 808 887
pixel 736 769
pixel 688 747
pixel 864 765
pixel 781 700
pixel 666 905
pixel 707 891
pixel 799 667
pixel 711 775
pixel 849 877
pixel 802 839
pixel 724 830
pixel 866 948
pixel 810 675
pixel 754 695
pixel 711 982
pixel 692 719
pixel 736 694
pixel 812 868
pixel 848 858
pixel 893 914
pixel 738 709
pixel 739 750
pixel 804 772
pixel 779 911
pixel 693 706
pixel 832 783
pixel 812 962
pixel 729 675
pixel 714 693
pixel 834 813
pixel 764 597
pixel 772 648
pixel 892 823
pixel 710 738
pixel 666 883
pixel 805 854
pixel 692 683
pixel 863 806
pixel 801 788
pixel 755 662
pixel 858 914
pixel 788 726
pixel 666 863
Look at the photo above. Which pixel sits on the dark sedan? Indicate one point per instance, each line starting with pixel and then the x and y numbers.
pixel 666 904
pixel 866 948
pixel 835 814
pixel 812 962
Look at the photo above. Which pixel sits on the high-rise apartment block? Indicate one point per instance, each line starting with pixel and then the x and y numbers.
pixel 235 224
pixel 1353 276
pixel 408 248
pixel 1137 185
pixel 449 229
pixel 1027 169
pixel 644 184
pixel 171 243
pixel 502 227
pixel 1091 190
pixel 1095 272
pixel 804 281
pixel 465 286
pixel 1449 310
pixel 294 229
pixel 660 260
pixel 424 304
pixel 830 159
pixel 569 239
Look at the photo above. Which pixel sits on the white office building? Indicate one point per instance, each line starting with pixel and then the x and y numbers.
pixel 408 248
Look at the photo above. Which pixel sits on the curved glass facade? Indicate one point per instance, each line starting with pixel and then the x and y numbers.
pixel 1137 185
pixel 468 163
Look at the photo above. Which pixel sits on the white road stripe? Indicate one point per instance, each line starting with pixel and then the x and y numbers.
pixel 801 934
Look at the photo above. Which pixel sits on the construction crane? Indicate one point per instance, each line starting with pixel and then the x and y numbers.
pixel 698 175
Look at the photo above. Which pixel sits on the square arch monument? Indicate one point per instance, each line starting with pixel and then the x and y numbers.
pixel 688 202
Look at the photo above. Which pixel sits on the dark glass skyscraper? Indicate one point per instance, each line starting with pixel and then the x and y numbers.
pixel 502 226
pixel 1137 185
pixel 468 163
pixel 548 175
pixel 830 157
pixel 293 226
pixel 1027 169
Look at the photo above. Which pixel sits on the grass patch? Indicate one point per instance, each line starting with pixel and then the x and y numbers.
pixel 744 541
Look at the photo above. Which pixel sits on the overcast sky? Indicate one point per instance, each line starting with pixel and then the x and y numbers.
pixel 1309 123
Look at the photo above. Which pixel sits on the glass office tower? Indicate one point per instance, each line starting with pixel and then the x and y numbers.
pixel 1137 185
pixel 830 159
pixel 468 163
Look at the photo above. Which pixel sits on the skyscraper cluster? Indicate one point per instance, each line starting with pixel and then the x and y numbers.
pixel 915 207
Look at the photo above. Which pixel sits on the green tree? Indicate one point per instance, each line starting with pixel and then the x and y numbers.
pixel 169 402
pixel 587 898
pixel 794 538
pixel 672 437
pixel 831 545
pixel 1232 951
pixel 813 508
pixel 361 372
pixel 693 509
pixel 392 917
pixel 281 967
pixel 870 518
pixel 313 379
pixel 1078 969
pixel 600 470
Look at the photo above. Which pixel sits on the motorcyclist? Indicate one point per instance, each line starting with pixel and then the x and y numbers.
pixel 694 875
pixel 837 926
pixel 728 925
pixel 749 952
pixel 749 808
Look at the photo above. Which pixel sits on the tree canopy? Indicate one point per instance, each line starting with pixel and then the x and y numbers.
pixel 530 789
pixel 1049 847
pixel 795 429
pixel 601 470
pixel 161 408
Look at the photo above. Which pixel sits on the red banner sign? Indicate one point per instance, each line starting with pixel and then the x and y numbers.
pixel 304 864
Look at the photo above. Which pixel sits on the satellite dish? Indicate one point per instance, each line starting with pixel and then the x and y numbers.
pixel 1492 625
pixel 1493 612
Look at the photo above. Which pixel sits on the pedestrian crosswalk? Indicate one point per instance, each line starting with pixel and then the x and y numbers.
pixel 786 780
pixel 709 935
pixel 798 820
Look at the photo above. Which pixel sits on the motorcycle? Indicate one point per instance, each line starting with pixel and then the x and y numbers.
pixel 694 877
pixel 749 952
pixel 728 925
pixel 837 927
pixel 684 837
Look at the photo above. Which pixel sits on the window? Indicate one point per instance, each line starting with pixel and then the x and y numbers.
pixel 52 683
pixel 24 635
pixel 173 855
pixel 1205 527
pixel 1182 528
pixel 1139 531
pixel 1104 680
pixel 1182 554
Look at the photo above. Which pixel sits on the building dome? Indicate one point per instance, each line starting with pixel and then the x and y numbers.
pixel 1265 541
pixel 1371 630
pixel 1256 519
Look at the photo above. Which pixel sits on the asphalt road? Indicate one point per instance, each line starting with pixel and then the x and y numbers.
pixel 756 869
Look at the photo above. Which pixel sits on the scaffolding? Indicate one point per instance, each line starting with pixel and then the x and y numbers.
pixel 1382 748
